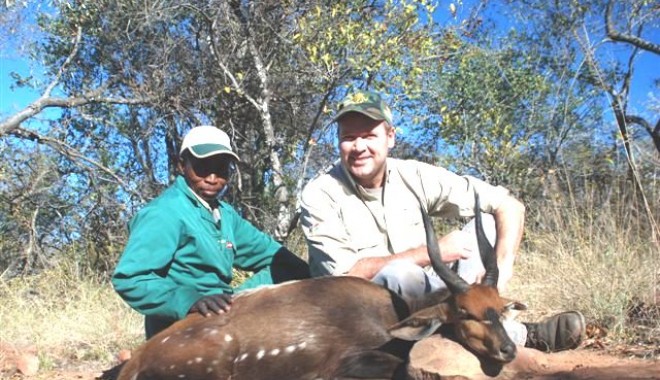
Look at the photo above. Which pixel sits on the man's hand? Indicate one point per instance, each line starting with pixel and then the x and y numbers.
pixel 455 246
pixel 216 303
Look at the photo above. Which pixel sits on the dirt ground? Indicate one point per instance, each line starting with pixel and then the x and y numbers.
pixel 580 364
pixel 587 364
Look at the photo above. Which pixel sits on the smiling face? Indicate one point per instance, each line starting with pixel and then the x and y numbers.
pixel 206 176
pixel 363 146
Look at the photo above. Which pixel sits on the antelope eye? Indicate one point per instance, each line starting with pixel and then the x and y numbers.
pixel 464 315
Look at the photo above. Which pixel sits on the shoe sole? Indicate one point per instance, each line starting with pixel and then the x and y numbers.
pixel 583 331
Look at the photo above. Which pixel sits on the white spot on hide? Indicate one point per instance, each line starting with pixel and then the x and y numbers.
pixel 260 354
pixel 290 349
pixel 165 339
pixel 274 352
pixel 228 338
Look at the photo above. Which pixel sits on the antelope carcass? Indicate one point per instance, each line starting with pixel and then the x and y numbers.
pixel 328 328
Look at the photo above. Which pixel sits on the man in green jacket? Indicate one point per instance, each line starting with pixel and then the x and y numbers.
pixel 183 245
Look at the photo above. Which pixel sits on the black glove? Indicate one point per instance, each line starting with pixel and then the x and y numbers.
pixel 217 303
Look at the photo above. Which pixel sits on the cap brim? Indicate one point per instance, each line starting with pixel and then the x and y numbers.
pixel 207 150
pixel 349 109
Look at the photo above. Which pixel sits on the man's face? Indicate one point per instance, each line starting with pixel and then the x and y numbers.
pixel 206 176
pixel 363 147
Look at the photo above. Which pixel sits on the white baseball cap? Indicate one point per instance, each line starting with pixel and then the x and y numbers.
pixel 205 141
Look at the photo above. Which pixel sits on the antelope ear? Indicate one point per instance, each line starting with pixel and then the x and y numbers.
pixel 421 324
pixel 512 308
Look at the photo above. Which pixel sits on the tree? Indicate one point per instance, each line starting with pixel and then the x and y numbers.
pixel 610 36
pixel 131 77
pixel 501 112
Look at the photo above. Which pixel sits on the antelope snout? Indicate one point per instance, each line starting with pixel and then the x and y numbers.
pixel 507 352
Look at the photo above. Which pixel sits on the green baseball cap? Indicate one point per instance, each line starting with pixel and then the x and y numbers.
pixel 367 103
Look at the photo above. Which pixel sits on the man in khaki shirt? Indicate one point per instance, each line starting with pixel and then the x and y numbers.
pixel 362 219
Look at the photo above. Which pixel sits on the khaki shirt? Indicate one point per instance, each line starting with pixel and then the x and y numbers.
pixel 343 222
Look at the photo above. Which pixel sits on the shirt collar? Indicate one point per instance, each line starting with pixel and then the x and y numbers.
pixel 359 189
pixel 182 184
pixel 213 209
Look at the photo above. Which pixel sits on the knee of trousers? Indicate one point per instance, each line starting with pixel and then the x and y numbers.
pixel 400 270
pixel 403 277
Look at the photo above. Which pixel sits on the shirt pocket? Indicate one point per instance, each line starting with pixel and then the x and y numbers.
pixel 226 246
pixel 212 249
pixel 405 228
pixel 407 216
pixel 364 237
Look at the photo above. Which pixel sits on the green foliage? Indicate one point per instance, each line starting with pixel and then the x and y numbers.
pixel 497 111
pixel 361 41
pixel 485 107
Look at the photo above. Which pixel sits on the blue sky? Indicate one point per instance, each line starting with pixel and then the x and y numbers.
pixel 19 98
pixel 14 100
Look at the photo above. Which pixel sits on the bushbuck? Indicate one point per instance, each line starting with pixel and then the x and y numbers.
pixel 329 328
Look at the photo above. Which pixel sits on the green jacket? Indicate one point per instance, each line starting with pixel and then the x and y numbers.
pixel 176 254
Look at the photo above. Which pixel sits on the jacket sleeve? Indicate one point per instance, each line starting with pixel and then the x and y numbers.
pixel 254 248
pixel 328 243
pixel 140 276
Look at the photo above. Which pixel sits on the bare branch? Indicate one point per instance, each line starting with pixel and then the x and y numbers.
pixel 65 65
pixel 32 249
pixel 632 119
pixel 237 86
pixel 47 101
pixel 72 153
pixel 14 122
pixel 653 132
pixel 594 71
pixel 615 35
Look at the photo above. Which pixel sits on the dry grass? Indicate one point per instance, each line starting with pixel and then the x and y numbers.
pixel 68 320
pixel 601 261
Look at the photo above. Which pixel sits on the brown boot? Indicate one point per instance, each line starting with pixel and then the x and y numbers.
pixel 563 331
